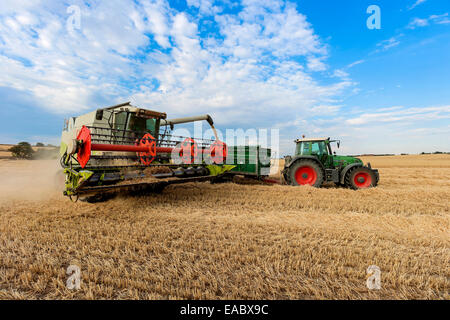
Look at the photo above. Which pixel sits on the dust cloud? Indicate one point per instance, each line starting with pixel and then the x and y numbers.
pixel 30 179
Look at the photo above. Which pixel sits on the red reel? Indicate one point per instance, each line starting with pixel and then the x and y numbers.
pixel 145 148
pixel 150 142
pixel 84 151
pixel 218 151
pixel 189 151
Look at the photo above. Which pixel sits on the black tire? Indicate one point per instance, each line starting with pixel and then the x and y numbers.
pixel 361 178
pixel 310 173
pixel 285 174
pixel 158 188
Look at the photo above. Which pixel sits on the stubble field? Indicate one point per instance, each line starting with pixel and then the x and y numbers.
pixel 230 241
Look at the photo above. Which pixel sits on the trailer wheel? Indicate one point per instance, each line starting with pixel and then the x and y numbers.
pixel 306 172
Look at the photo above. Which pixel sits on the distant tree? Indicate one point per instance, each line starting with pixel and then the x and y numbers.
pixel 40 144
pixel 22 150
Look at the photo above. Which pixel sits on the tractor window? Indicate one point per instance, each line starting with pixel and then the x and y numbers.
pixel 319 148
pixel 303 148
pixel 311 147
pixel 315 148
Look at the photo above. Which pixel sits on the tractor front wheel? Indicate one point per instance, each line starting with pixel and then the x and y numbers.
pixel 306 172
pixel 361 178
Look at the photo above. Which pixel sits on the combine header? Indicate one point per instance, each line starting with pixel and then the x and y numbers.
pixel 128 149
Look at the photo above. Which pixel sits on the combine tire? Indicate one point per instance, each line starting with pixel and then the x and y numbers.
pixel 361 178
pixel 306 172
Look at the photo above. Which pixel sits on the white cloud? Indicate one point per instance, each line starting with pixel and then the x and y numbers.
pixel 389 43
pixel 415 4
pixel 325 109
pixel 157 15
pixel 399 114
pixel 341 74
pixel 355 63
pixel 316 64
pixel 438 19
pixel 66 72
pixel 268 28
pixel 205 7
pixel 417 22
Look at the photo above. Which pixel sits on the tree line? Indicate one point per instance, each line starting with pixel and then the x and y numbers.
pixel 24 150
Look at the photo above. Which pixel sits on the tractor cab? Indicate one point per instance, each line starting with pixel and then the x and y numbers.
pixel 318 147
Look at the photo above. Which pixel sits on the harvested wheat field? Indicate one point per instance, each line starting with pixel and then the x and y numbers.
pixel 230 241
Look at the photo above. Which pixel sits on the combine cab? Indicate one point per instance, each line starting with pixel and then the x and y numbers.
pixel 125 148
pixel 314 163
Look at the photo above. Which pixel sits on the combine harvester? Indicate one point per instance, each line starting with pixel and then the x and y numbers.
pixel 125 149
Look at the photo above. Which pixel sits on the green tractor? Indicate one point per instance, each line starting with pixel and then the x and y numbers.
pixel 314 163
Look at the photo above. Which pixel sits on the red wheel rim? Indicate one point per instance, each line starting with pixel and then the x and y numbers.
pixel 306 175
pixel 362 180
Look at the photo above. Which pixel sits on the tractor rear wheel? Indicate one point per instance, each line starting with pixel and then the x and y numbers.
pixel 306 172
pixel 361 178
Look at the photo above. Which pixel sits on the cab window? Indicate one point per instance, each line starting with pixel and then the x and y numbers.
pixel 119 121
pixel 319 148
pixel 137 124
pixel 315 148
pixel 151 126
pixel 303 148
pixel 311 147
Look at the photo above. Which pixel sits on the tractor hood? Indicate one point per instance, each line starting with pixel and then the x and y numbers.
pixel 345 160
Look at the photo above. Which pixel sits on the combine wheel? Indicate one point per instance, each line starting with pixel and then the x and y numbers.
pixel 361 178
pixel 306 172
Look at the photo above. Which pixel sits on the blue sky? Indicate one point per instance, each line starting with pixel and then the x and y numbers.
pixel 303 67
